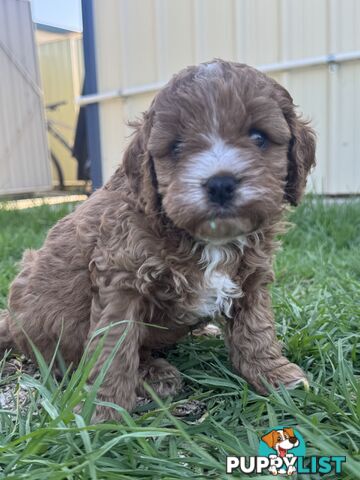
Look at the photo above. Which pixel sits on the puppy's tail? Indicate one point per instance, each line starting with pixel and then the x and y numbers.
pixel 6 342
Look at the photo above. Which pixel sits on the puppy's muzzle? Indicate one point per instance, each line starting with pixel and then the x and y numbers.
pixel 221 189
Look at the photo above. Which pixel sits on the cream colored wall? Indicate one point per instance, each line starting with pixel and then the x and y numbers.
pixel 110 65
pixel 146 41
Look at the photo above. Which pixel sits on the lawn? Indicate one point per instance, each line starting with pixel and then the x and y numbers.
pixel 316 303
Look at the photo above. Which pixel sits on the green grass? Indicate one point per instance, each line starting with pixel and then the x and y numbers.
pixel 316 302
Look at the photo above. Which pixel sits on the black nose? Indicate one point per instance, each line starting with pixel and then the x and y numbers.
pixel 221 188
pixel 293 440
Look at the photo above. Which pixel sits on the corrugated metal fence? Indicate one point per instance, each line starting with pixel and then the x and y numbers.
pixel 24 160
pixel 141 43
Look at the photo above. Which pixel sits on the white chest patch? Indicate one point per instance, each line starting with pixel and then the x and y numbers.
pixel 217 296
pixel 218 290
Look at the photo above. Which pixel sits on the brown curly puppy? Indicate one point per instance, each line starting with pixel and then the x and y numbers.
pixel 183 232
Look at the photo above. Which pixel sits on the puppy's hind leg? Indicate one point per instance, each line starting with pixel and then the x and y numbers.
pixel 161 376
pixel 116 322
pixel 6 341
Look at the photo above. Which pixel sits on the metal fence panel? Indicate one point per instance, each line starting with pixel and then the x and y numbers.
pixel 24 159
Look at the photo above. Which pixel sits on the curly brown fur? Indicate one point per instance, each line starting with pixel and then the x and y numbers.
pixel 162 245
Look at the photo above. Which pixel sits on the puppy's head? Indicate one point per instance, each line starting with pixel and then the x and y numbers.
pixel 221 149
pixel 281 440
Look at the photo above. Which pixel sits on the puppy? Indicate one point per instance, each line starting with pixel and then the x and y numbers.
pixel 281 441
pixel 183 232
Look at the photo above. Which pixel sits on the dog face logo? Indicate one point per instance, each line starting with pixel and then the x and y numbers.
pixel 282 446
pixel 281 440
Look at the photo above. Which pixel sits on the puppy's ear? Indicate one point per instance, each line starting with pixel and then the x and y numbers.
pixel 301 152
pixel 139 166
pixel 136 154
pixel 301 158
pixel 290 432
pixel 269 439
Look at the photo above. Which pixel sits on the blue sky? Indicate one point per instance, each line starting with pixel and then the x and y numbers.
pixel 59 13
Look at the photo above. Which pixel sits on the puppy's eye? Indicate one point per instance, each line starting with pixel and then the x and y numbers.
pixel 259 138
pixel 175 148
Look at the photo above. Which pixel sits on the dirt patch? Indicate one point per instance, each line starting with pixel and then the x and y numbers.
pixel 13 396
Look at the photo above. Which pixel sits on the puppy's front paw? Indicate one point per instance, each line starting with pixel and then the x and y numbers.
pixel 281 373
pixel 162 377
pixel 103 413
pixel 291 470
pixel 273 470
pixel 288 374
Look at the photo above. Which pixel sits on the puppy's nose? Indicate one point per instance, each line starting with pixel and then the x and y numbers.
pixel 221 188
pixel 293 440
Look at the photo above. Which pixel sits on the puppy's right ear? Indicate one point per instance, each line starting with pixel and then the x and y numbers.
pixel 139 167
pixel 136 155
pixel 269 439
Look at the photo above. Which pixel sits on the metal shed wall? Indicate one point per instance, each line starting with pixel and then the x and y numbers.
pixel 24 160
pixel 141 43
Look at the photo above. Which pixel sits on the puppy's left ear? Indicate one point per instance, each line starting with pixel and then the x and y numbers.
pixel 289 431
pixel 301 157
